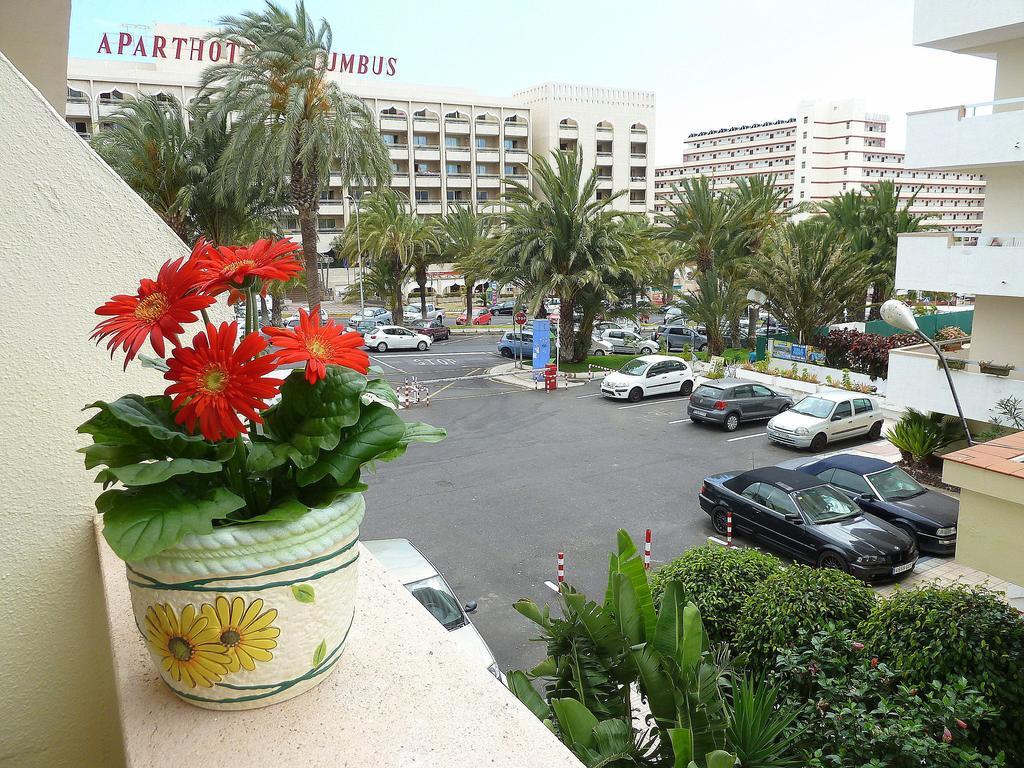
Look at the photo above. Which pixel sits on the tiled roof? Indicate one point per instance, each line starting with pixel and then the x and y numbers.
pixel 1004 455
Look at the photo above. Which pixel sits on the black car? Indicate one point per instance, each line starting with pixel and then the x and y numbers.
pixel 506 308
pixel 809 520
pixel 729 402
pixel 885 490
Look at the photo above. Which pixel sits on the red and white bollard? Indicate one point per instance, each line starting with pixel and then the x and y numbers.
pixel 561 567
pixel 728 528
pixel 647 550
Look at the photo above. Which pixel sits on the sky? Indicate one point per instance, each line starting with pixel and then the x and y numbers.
pixel 711 63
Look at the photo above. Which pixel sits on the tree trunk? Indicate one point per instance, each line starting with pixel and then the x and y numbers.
pixel 307 226
pixel 397 300
pixel 753 316
pixel 469 280
pixel 734 331
pixel 874 299
pixel 566 336
pixel 581 341
pixel 716 342
pixel 276 311
pixel 264 319
pixel 421 281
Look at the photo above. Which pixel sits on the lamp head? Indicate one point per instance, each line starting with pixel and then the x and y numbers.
pixel 899 315
pixel 757 297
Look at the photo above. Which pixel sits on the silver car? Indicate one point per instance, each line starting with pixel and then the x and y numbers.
pixel 428 586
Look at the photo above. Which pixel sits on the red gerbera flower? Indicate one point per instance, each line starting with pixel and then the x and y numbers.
pixel 157 311
pixel 228 267
pixel 215 382
pixel 319 346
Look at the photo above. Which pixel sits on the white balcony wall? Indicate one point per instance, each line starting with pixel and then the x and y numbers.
pixel 935 261
pixel 955 25
pixel 948 139
pixel 916 381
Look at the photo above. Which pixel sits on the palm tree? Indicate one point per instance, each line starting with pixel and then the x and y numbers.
pixel 291 123
pixel 425 234
pixel 759 207
pixel 811 274
pixel 148 145
pixel 463 238
pixel 714 303
pixel 701 222
pixel 557 238
pixel 391 236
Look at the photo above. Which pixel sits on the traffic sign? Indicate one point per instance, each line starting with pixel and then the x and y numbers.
pixel 520 318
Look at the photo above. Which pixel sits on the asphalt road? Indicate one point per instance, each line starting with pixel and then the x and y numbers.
pixel 525 474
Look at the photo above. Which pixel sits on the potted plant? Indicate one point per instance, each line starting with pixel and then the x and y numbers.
pixel 996 369
pixel 234 497
pixel 954 363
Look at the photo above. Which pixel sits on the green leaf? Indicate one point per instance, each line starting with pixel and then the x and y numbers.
pixel 627 610
pixel 668 633
pixel 264 456
pixel 656 684
pixel 693 638
pixel 520 686
pixel 140 522
pixel 576 722
pixel 284 511
pixel 383 390
pixel 158 471
pixel 720 759
pixel 148 420
pixel 418 432
pixel 311 417
pixel 304 593
pixel 320 653
pixel 532 611
pixel 682 746
pixel 115 454
pixel 379 430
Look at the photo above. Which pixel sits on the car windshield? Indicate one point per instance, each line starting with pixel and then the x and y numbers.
pixel 894 484
pixel 705 391
pixel 435 596
pixel 814 406
pixel 824 504
pixel 634 367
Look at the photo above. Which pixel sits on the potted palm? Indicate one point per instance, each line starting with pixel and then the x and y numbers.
pixel 234 497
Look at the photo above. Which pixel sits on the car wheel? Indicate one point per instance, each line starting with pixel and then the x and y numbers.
pixel 876 430
pixel 686 389
pixel 819 442
pixel 720 520
pixel 649 350
pixel 422 346
pixel 382 347
pixel 833 560
pixel 506 352
pixel 732 422
pixel 599 352
pixel 635 395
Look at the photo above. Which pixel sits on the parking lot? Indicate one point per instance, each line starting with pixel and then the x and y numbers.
pixel 524 474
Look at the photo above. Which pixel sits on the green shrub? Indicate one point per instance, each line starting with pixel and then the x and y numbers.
pixel 718 580
pixel 944 633
pixel 789 605
pixel 919 436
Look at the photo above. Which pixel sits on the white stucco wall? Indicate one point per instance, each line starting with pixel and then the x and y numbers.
pixel 71 234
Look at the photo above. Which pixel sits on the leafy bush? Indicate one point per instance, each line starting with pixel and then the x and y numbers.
pixel 862 352
pixel 718 580
pixel 796 601
pixel 855 710
pixel 949 333
pixel 944 633
pixel 921 436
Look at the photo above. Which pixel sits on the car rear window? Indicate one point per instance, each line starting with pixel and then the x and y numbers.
pixel 706 391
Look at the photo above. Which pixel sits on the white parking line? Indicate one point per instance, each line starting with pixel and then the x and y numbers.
pixel 481 353
pixel 580 397
pixel 652 402
pixel 389 365
pixel 680 421
pixel 745 437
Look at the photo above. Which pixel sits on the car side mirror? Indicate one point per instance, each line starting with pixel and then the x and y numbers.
pixel 794 518
pixel 470 607
pixel 837 417
pixel 866 497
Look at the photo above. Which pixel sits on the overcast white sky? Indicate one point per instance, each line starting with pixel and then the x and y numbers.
pixel 712 63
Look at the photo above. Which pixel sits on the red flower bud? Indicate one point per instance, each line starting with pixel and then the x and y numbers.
pixel 874 662
pixel 858 646
pixel 947 736
pixel 961 725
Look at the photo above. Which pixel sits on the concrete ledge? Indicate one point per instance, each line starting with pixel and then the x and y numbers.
pixel 402 696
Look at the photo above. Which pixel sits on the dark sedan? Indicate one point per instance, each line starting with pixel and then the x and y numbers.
pixel 885 490
pixel 506 308
pixel 799 515
pixel 730 402
pixel 435 329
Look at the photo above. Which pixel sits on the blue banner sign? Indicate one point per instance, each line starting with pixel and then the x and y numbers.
pixel 541 343
pixel 801 353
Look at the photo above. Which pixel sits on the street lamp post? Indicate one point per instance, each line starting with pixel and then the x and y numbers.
pixel 899 315
pixel 359 250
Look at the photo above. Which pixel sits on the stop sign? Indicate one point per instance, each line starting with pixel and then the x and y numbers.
pixel 520 318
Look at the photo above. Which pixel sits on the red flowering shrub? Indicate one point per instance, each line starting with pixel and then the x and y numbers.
pixel 866 353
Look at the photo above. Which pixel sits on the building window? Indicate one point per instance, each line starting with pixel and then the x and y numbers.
pixel 389 138
pixel 453 168
pixel 481 143
pixel 455 195
pixel 482 195
pixel 421 196
pixel 451 141
pixel 419 140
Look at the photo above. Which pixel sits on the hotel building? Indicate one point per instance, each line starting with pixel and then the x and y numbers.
pixel 447 145
pixel 827 149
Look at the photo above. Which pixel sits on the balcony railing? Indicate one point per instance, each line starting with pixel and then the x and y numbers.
pixel 427 146
pixel 984 108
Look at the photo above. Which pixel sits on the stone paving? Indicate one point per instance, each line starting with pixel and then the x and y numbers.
pixel 946 572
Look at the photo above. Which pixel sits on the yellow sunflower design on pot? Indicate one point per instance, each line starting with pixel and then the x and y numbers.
pixel 189 647
pixel 246 633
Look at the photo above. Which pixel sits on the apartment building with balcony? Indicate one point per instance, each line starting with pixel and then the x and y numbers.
pixel 612 127
pixel 975 139
pixel 828 148
pixel 447 145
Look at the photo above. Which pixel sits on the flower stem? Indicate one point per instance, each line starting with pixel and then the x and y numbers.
pixel 206 318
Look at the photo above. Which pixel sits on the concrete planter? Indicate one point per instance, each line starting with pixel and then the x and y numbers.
pixel 251 615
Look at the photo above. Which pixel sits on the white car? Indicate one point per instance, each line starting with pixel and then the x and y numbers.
pixel 395 337
pixel 648 375
pixel 629 343
pixel 826 417
pixel 599 346
pixel 376 314
pixel 412 312
pixel 411 568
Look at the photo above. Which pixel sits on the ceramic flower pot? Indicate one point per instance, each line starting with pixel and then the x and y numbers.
pixel 251 615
